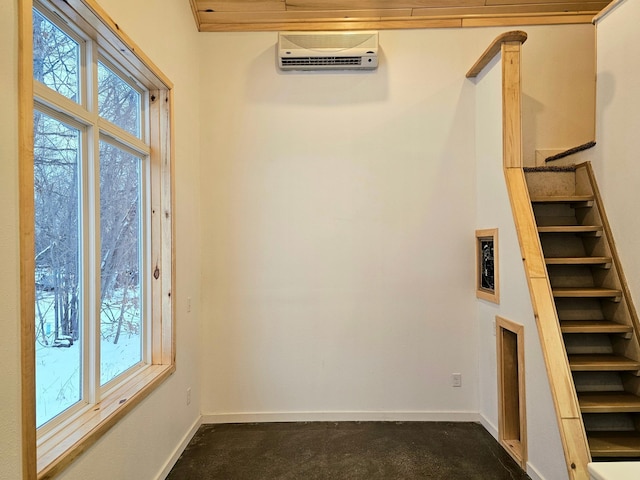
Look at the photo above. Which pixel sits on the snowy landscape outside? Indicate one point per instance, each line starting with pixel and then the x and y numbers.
pixel 71 194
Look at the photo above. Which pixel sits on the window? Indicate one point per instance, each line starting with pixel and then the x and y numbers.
pixel 102 239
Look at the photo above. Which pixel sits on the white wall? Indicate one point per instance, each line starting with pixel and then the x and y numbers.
pixel 338 271
pixel 545 455
pixel 339 211
pixel 618 123
pixel 558 91
pixel 141 444
pixel 10 436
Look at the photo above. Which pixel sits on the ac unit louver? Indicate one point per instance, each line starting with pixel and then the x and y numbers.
pixel 328 50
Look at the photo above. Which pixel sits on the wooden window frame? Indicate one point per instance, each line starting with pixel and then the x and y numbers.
pixel 46 456
pixel 485 293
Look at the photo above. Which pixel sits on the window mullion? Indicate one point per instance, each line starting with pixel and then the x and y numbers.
pixel 124 138
pixel 92 355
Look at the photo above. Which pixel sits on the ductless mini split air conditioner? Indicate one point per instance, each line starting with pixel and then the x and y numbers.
pixel 328 50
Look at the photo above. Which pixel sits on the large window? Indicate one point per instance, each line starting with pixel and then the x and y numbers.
pixel 102 256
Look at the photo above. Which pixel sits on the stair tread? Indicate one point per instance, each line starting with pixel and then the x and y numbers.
pixel 601 362
pixel 577 260
pixel 593 326
pixel 569 228
pixel 608 402
pixel 561 198
pixel 614 444
pixel 585 292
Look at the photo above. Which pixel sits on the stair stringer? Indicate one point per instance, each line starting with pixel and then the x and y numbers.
pixel 586 183
pixel 584 171
pixel 570 424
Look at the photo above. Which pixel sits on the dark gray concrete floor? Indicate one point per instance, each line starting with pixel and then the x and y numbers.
pixel 345 450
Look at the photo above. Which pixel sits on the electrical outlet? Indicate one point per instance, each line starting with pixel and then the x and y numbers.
pixel 456 379
pixel 189 396
pixel 188 304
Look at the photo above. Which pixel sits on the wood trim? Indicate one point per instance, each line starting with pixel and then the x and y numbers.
pixel 314 16
pixel 194 10
pixel 530 248
pixel 512 9
pixel 518 448
pixel 163 226
pixel 242 5
pixel 484 294
pixel 497 21
pixel 261 15
pixel 493 49
pixel 377 24
pixel 157 295
pixel 387 23
pixel 168 223
pixel 58 453
pixel 607 10
pixel 27 237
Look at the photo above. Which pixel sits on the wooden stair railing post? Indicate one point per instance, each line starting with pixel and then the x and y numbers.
pixel 511 105
pixel 570 425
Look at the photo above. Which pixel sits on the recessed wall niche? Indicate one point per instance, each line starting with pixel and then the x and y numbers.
pixel 487 271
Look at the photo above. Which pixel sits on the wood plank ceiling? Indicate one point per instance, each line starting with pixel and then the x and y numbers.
pixel 261 15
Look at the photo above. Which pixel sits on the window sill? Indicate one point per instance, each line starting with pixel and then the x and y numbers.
pixel 56 451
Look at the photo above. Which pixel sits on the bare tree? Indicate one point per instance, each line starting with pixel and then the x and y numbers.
pixel 57 179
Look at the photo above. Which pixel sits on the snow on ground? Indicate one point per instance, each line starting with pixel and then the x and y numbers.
pixel 58 379
pixel 58 369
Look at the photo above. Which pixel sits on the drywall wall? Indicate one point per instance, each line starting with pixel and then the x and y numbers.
pixel 545 455
pixel 147 438
pixel 10 435
pixel 336 209
pixel 558 91
pixel 618 143
pixel 338 213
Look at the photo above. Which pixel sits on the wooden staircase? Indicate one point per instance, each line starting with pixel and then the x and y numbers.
pixel 597 319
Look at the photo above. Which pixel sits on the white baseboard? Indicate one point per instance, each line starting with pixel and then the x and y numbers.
pixel 266 417
pixel 164 472
pixel 489 426
pixel 493 430
pixel 533 473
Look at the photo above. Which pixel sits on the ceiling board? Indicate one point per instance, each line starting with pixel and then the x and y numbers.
pixel 510 9
pixel 335 26
pixel 258 15
pixel 241 5
pixel 372 4
pixel 523 2
pixel 317 16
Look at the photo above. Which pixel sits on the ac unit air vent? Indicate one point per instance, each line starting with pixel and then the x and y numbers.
pixel 322 61
pixel 328 50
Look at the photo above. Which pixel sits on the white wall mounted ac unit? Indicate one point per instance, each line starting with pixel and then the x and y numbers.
pixel 328 50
